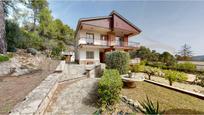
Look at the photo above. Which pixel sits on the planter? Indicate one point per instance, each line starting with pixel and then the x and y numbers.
pixel 129 82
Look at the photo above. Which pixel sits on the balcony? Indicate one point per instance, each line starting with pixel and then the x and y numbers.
pixel 88 41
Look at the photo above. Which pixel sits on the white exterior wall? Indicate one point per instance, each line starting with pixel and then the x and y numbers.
pixel 82 54
pixel 97 36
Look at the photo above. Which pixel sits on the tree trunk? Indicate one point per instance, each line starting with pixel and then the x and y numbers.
pixel 3 45
pixel 149 76
pixel 34 19
pixel 170 83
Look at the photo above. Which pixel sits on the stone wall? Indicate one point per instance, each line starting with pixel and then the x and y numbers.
pixel 94 71
pixel 37 101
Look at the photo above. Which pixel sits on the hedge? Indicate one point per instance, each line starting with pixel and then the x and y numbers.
pixel 182 67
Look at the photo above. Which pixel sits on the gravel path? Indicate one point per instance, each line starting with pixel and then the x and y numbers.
pixel 195 88
pixel 75 98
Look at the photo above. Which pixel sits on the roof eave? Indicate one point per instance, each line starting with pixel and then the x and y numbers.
pixel 123 18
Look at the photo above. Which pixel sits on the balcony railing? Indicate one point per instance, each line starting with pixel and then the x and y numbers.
pixel 89 41
pixel 93 41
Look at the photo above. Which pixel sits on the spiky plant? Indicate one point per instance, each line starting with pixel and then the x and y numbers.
pixel 151 108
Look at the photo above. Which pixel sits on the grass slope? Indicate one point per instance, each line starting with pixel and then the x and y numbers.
pixel 169 100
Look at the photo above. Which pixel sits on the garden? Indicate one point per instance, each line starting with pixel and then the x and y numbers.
pixel 145 97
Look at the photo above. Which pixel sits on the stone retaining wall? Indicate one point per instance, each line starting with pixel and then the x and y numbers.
pixel 94 71
pixel 37 101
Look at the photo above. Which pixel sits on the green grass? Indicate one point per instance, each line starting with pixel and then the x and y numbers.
pixel 4 58
pixel 169 100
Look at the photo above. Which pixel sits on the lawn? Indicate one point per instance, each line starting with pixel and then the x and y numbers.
pixel 169 100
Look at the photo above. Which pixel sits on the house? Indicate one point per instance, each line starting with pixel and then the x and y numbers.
pixel 97 35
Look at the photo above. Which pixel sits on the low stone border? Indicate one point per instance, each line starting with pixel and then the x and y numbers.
pixel 134 105
pixel 198 95
pixel 94 71
pixel 37 101
pixel 60 67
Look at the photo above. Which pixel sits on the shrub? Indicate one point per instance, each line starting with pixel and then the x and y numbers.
pixel 57 49
pixel 32 51
pixel 173 76
pixel 138 67
pixel 56 52
pixel 151 71
pixel 186 67
pixel 3 58
pixel 109 88
pixel 118 60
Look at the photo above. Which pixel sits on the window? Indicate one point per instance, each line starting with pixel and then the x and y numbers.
pixel 89 38
pixel 89 55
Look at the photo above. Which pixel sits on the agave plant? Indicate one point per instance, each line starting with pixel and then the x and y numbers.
pixel 151 108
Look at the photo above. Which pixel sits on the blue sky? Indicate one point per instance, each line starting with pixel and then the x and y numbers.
pixel 166 26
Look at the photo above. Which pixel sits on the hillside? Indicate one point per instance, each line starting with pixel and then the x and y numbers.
pixel 198 58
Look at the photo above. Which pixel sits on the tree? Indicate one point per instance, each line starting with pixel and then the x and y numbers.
pixel 186 52
pixel 167 58
pixel 173 76
pixel 143 53
pixel 151 71
pixel 5 6
pixel 13 34
pixel 46 25
pixel 3 46
pixel 36 6
pixel 154 56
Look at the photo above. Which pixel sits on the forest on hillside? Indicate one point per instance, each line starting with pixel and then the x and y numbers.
pixel 30 24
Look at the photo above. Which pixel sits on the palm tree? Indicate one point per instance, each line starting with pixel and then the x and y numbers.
pixel 2 29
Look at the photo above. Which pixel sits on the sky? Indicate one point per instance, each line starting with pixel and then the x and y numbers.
pixel 165 25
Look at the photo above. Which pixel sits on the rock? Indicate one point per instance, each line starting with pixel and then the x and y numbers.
pixel 124 98
pixel 130 102
pixel 32 51
pixel 19 71
pixel 136 104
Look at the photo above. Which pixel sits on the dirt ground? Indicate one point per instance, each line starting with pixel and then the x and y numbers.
pixel 14 89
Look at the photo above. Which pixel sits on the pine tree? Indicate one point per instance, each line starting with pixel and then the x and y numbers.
pixel 186 52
